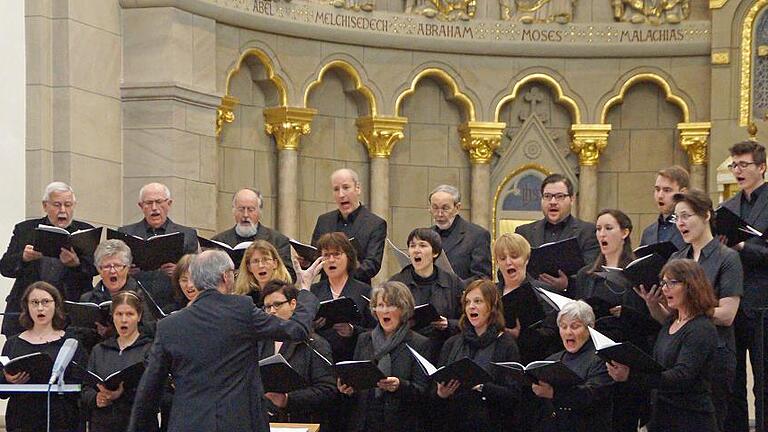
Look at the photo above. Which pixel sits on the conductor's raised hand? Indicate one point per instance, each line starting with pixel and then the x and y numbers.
pixel 304 278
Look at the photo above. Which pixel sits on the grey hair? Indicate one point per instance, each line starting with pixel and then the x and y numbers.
pixel 57 186
pixel 208 267
pixel 352 173
pixel 258 196
pixel 113 247
pixel 577 310
pixel 396 294
pixel 453 191
pixel 166 191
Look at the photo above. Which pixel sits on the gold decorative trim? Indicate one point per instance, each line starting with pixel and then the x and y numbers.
pixel 277 80
pixel 500 188
pixel 380 134
pixel 721 58
pixel 481 139
pixel 646 77
pixel 352 72
pixel 287 125
pixel 694 139
pixel 745 86
pixel 445 78
pixel 562 99
pixel 717 4
pixel 225 112
pixel 588 141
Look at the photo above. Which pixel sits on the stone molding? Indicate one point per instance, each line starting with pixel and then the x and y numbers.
pixel 169 91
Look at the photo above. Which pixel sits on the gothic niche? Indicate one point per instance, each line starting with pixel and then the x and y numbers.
pixel 651 11
pixel 537 11
pixel 444 10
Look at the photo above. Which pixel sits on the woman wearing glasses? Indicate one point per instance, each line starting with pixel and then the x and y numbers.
pixel 42 316
pixel 304 405
pixel 261 264
pixel 722 266
pixel 686 349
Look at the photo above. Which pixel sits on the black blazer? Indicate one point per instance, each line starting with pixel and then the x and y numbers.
pixel 468 248
pixel 651 236
pixel 307 405
pixel 157 283
pixel 370 232
pixel 71 282
pixel 279 241
pixel 754 256
pixel 583 231
pixel 397 411
pixel 210 349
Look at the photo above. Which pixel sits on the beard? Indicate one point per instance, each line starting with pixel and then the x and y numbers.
pixel 246 230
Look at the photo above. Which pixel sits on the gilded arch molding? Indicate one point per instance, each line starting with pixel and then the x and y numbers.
pixel 745 84
pixel 562 99
pixel 444 78
pixel 350 70
pixel 642 78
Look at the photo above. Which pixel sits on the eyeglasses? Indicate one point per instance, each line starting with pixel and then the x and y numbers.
pixel 245 209
pixel 742 164
pixel 669 283
pixel 261 261
pixel 336 255
pixel 558 196
pixel 115 267
pixel 438 210
pixel 383 308
pixel 157 202
pixel 682 217
pixel 276 305
pixel 43 302
pixel 58 205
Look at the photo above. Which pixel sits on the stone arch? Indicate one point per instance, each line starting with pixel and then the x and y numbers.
pixel 458 96
pixel 553 83
pixel 655 77
pixel 270 71
pixel 746 54
pixel 358 84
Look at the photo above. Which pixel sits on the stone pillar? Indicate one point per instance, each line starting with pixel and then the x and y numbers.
pixel 480 140
pixel 587 141
pixel 379 135
pixel 287 125
pixel 694 138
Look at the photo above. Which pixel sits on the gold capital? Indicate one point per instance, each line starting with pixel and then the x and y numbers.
pixel 287 125
pixel 694 138
pixel 481 139
pixel 588 141
pixel 225 112
pixel 379 134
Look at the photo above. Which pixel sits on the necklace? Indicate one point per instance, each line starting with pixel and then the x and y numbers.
pixel 680 320
pixel 44 337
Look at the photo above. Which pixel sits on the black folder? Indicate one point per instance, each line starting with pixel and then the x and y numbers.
pixel 129 376
pixel 424 315
pixel 38 365
pixel 278 376
pixel 562 255
pixel 49 240
pixel 464 370
pixel 85 314
pixel 733 227
pixel 307 252
pixel 153 252
pixel 525 307
pixel 664 249
pixel 236 253
pixel 554 373
pixel 358 374
pixel 642 271
pixel 623 352
pixel 340 310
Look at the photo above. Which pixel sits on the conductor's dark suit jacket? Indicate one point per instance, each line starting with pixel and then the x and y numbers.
pixel 71 282
pixel 370 232
pixel 468 248
pixel 211 350
pixel 157 283
pixel 583 231
pixel 279 241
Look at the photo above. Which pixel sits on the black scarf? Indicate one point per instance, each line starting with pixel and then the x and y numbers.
pixel 383 347
pixel 480 348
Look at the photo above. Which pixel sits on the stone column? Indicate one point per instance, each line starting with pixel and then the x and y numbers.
pixel 379 134
pixel 587 141
pixel 480 140
pixel 287 125
pixel 694 138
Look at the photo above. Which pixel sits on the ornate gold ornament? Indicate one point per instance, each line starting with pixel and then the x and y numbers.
pixel 481 139
pixel 225 112
pixel 588 141
pixel 287 125
pixel 443 10
pixel 721 58
pixel 380 134
pixel 717 4
pixel 745 86
pixel 651 11
pixel 537 11
pixel 694 139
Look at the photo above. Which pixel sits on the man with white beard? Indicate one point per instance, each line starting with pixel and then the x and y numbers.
pixel 246 208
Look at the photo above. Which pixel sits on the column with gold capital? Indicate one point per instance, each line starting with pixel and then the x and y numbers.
pixel 480 140
pixel 287 125
pixel 694 138
pixel 588 141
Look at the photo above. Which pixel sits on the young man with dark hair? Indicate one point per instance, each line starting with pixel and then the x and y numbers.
pixel 669 181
